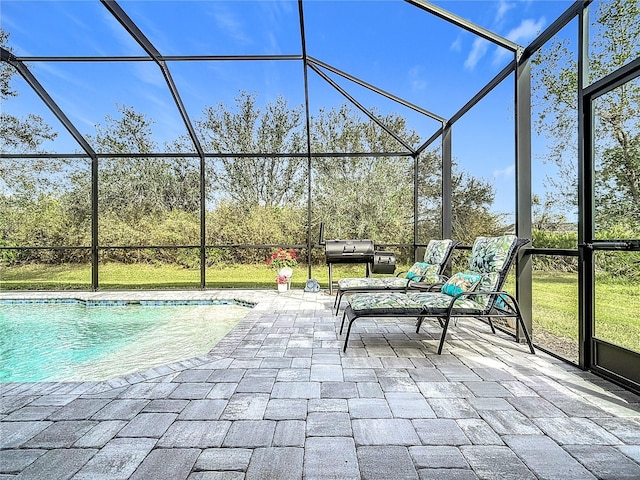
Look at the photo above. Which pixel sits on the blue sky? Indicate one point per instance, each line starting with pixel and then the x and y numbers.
pixel 390 44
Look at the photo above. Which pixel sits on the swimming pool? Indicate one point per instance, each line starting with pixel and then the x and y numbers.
pixel 64 340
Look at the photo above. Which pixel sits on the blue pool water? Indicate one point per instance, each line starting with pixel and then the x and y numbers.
pixel 57 342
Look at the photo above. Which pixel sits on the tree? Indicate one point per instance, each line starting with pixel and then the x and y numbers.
pixel 372 197
pixel 20 135
pixel 470 203
pixel 361 196
pixel 618 170
pixel 255 180
pixel 23 135
pixel 31 214
pixel 543 216
pixel 617 132
pixel 137 187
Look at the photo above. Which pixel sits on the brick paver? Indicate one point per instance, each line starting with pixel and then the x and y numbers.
pixel 546 458
pixel 386 462
pixel 117 460
pixel 59 464
pixel 330 457
pixel 167 464
pixel 62 434
pixel 277 398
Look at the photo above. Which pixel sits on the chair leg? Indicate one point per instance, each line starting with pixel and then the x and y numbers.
pixel 493 329
pixel 346 338
pixel 419 324
pixel 444 334
pixel 335 302
pixel 339 296
pixel 344 315
pixel 520 322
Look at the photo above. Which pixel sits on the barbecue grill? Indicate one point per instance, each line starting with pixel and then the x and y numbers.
pixel 383 262
pixel 349 251
pixel 356 251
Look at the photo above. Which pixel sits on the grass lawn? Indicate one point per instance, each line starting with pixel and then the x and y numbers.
pixel 555 302
pixel 145 276
pixel 555 308
pixel 555 294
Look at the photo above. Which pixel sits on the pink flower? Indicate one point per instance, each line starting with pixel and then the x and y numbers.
pixel 282 258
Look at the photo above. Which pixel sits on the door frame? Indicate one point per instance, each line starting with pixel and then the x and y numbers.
pixel 614 362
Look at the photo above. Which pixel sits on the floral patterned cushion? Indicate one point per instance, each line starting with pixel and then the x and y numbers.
pixel 461 282
pixel 423 272
pixel 431 274
pixel 372 283
pixel 437 303
pixel 417 270
pixel 437 251
pixel 489 254
pixel 488 258
pixel 384 304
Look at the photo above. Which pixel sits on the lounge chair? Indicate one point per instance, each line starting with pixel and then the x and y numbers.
pixel 476 292
pixel 436 257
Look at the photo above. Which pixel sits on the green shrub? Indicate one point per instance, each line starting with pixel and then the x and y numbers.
pixel 616 264
pixel 545 239
pixel 8 257
pixel 612 264
pixel 232 224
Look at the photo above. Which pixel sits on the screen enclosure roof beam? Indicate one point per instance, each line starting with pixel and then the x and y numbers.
pixel 22 69
pixel 361 107
pixel 151 50
pixel 376 89
pixel 466 24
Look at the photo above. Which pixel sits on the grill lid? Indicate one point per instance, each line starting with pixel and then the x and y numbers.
pixel 349 251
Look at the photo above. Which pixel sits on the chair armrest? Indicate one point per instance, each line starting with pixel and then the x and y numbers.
pixel 428 286
pixel 497 293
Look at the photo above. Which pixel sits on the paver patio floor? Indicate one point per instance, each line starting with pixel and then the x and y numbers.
pixel 278 399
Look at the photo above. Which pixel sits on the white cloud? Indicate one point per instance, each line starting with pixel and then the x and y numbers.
pixel 478 51
pixel 123 38
pixel 500 56
pixel 416 78
pixel 228 22
pixel 271 44
pixel 526 31
pixel 507 172
pixel 503 8
pixel 456 46
pixel 418 85
pixel 522 35
pixel 277 11
pixel 149 74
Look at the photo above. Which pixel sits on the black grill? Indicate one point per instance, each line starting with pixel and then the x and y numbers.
pixel 349 251
pixel 356 251
pixel 384 262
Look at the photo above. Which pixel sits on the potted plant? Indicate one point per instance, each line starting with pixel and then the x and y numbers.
pixel 283 283
pixel 283 261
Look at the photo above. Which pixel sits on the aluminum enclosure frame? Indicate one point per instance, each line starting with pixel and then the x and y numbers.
pixel 519 67
pixel 308 62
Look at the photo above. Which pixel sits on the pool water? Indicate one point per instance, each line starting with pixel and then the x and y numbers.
pixel 64 342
